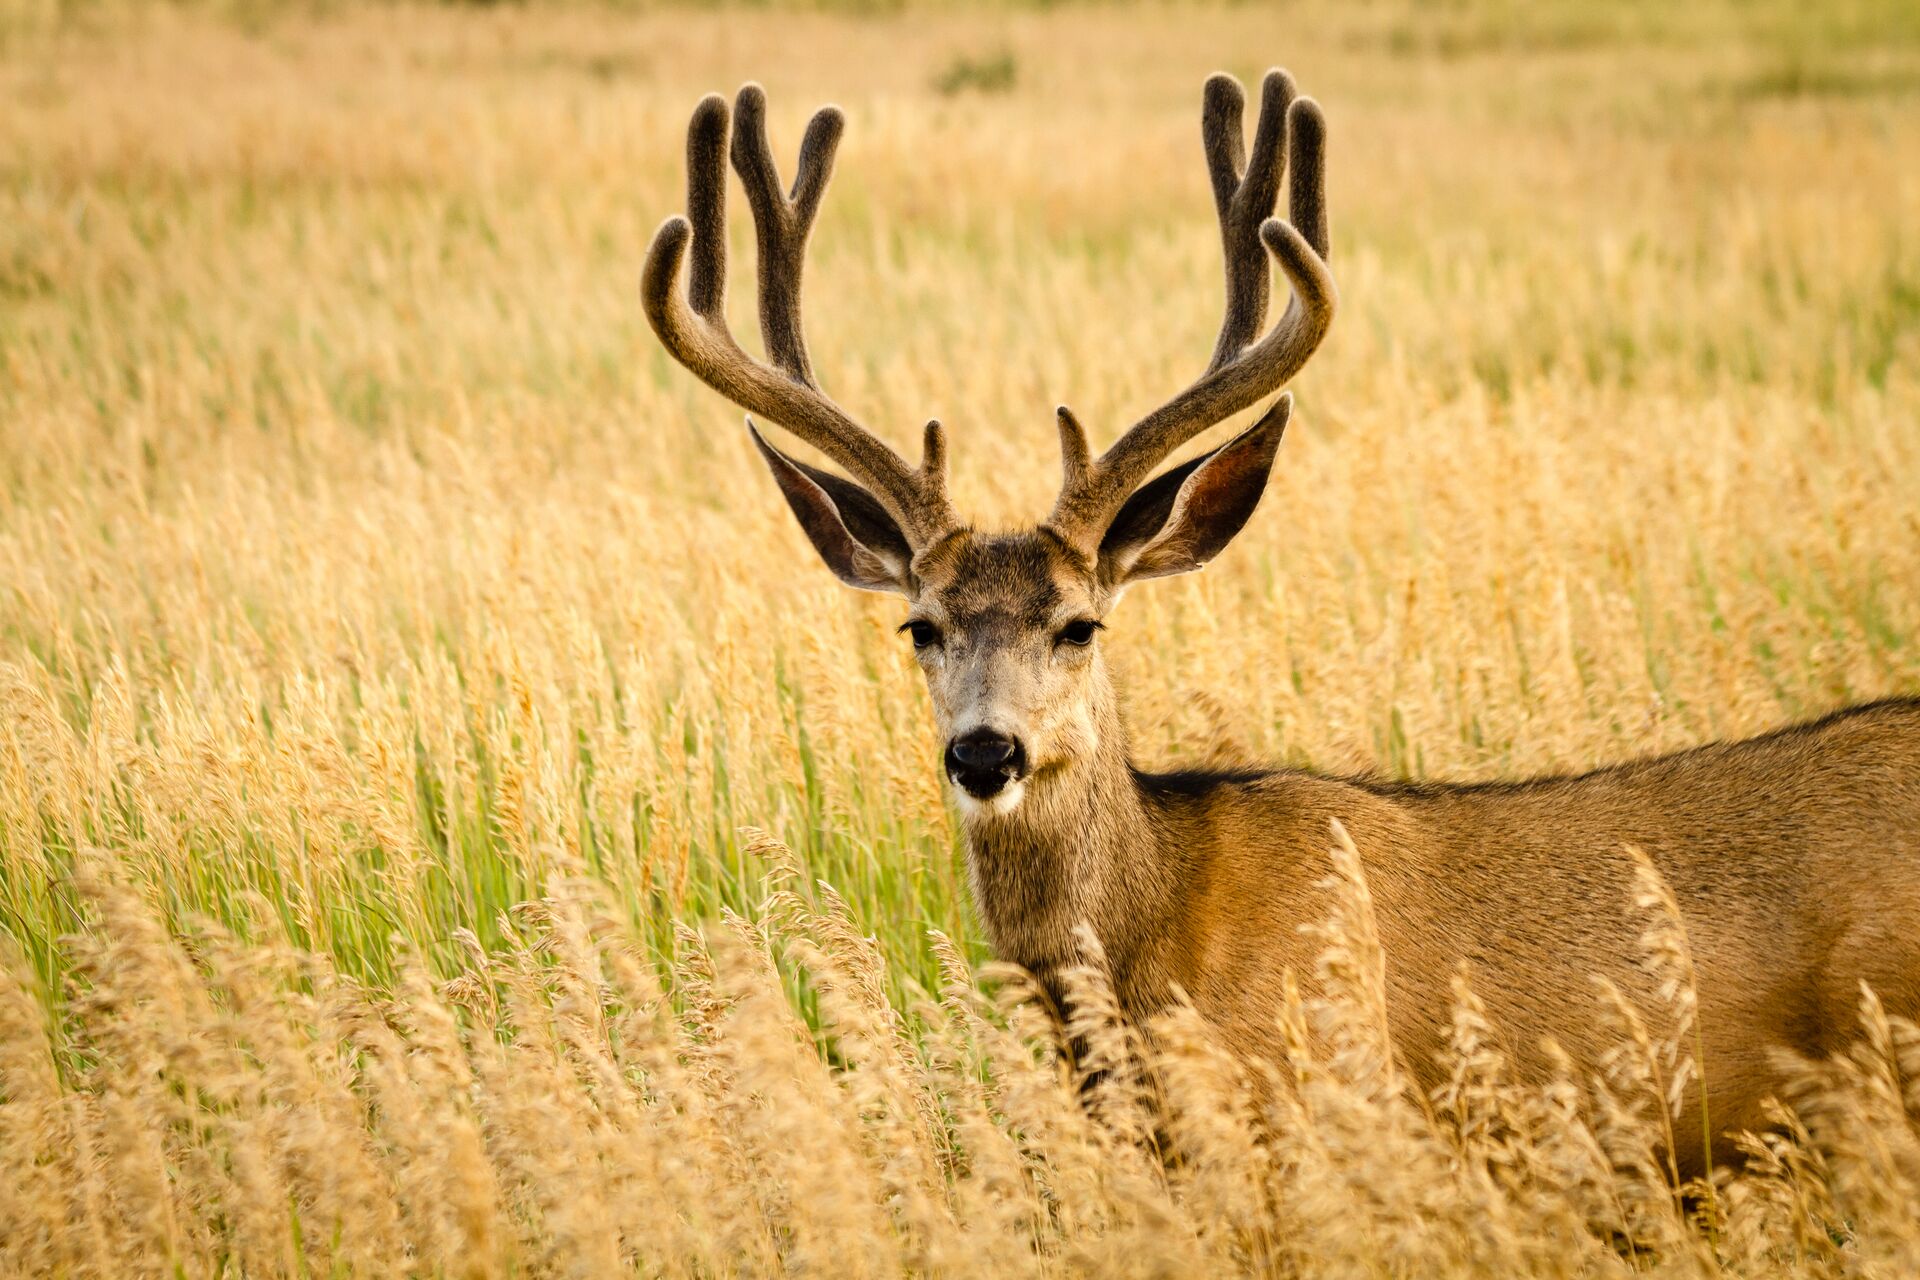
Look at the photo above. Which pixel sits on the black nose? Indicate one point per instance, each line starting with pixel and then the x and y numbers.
pixel 984 760
pixel 984 749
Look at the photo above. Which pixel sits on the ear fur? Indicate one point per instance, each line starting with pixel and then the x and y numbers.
pixel 1182 518
pixel 853 533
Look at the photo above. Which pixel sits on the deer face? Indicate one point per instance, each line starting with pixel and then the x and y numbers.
pixel 1006 626
pixel 1005 629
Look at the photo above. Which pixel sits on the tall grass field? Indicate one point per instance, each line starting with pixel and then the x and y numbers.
pixel 450 824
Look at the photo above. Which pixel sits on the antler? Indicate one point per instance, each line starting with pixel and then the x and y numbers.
pixel 1239 374
pixel 694 330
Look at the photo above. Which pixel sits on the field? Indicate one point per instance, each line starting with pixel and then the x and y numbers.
pixel 450 824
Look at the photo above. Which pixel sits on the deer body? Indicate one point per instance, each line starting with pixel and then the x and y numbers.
pixel 1795 857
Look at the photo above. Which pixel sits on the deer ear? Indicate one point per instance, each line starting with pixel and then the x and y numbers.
pixel 1182 518
pixel 853 533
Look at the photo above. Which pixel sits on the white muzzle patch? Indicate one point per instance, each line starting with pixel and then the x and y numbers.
pixel 1000 803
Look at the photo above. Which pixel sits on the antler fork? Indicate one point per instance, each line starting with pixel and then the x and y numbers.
pixel 1242 370
pixel 694 329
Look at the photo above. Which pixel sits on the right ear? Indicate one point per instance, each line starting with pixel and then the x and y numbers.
pixel 853 533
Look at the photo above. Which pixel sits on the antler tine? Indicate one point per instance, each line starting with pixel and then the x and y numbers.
pixel 1241 370
pixel 1244 195
pixel 1307 182
pixel 694 328
pixel 783 223
pixel 707 209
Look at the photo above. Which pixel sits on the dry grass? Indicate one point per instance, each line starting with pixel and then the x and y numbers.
pixel 394 645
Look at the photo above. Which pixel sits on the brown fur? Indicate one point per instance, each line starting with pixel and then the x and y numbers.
pixel 1795 857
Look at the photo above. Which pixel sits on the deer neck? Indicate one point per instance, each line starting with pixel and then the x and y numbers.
pixel 1084 846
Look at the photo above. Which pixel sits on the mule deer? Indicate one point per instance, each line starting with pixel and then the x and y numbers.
pixel 1795 857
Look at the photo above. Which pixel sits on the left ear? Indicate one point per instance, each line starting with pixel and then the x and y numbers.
pixel 1182 518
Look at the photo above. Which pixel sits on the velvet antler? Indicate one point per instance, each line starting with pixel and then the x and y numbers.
pixel 1243 370
pixel 694 329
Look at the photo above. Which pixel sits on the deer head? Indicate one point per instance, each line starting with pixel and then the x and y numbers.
pixel 1006 625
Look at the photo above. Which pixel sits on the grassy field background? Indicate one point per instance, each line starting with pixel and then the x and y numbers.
pixel 376 598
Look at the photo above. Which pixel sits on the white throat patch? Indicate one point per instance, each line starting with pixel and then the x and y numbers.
pixel 1001 802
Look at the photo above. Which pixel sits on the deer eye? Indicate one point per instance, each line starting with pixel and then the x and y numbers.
pixel 925 634
pixel 1078 633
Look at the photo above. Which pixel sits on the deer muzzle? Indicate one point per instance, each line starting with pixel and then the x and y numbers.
pixel 983 762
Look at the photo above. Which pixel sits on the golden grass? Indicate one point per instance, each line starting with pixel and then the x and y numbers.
pixel 394 645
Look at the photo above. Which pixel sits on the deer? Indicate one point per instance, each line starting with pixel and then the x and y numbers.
pixel 1794 857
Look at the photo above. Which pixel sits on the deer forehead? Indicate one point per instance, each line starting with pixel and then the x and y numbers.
pixel 1024 581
